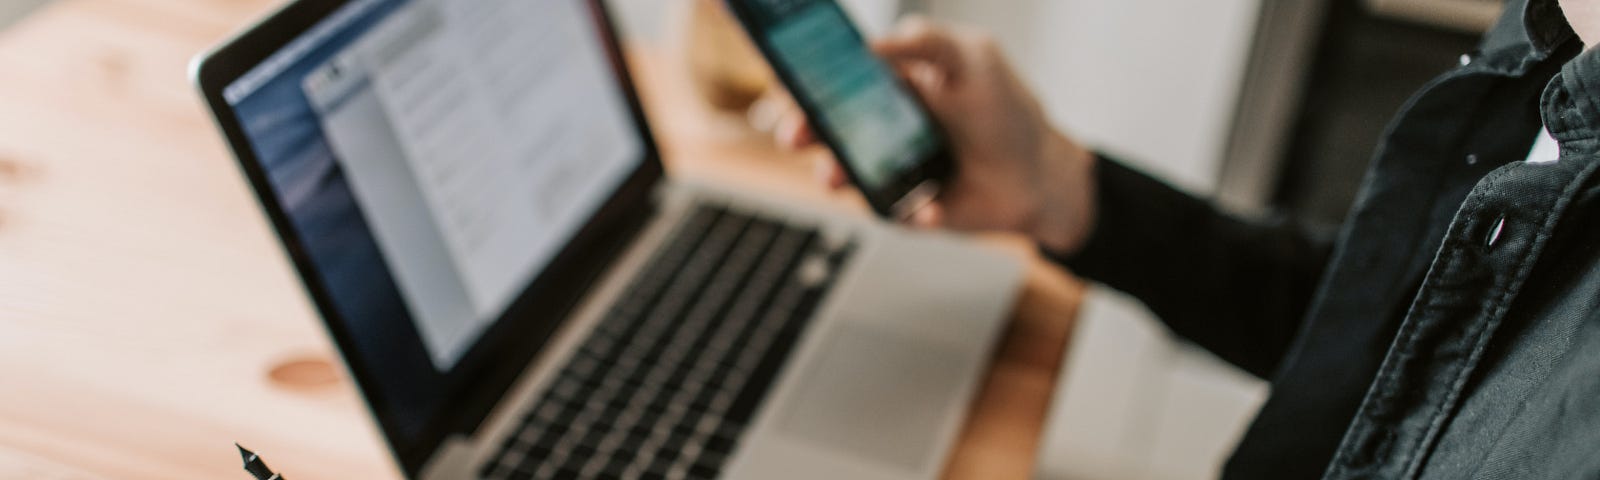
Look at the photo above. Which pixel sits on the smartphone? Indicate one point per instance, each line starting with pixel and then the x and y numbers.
pixel 858 106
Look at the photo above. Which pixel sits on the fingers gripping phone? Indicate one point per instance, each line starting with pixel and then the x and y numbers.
pixel 857 105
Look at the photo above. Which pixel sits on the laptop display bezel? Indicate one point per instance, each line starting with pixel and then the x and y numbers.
pixel 502 353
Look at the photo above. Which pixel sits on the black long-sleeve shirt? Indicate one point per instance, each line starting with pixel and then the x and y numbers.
pixel 1238 288
pixel 1451 330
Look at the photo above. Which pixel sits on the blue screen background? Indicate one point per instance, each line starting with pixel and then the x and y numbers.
pixel 289 144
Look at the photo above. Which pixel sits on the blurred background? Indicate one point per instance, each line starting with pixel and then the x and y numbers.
pixel 1267 106
pixel 1271 107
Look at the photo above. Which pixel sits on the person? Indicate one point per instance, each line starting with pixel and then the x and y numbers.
pixel 1450 330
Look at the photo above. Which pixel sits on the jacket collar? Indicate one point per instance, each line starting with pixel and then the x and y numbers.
pixel 1544 26
pixel 1571 105
pixel 1527 33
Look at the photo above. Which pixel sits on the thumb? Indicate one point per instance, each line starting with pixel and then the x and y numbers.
pixel 930 216
pixel 927 81
pixel 918 40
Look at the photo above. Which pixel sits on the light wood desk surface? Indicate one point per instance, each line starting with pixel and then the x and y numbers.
pixel 148 318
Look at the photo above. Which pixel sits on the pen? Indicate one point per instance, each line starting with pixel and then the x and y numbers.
pixel 256 467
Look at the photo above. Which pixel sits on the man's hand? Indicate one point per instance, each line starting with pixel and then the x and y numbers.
pixel 1014 171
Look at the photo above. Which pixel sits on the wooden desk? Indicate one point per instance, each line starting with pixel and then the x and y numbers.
pixel 148 319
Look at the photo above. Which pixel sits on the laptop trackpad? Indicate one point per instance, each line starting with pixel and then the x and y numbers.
pixel 875 395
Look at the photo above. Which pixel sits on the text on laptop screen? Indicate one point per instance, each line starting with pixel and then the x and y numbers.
pixel 433 156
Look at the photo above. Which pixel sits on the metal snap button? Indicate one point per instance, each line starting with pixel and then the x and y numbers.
pixel 1472 159
pixel 1494 233
pixel 1466 58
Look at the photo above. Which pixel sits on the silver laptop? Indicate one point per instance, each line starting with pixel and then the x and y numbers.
pixel 474 200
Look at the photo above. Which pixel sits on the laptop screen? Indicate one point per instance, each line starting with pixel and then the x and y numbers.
pixel 433 157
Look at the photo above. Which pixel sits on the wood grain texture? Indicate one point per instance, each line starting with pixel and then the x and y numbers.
pixel 148 318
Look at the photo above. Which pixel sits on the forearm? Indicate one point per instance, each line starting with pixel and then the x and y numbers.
pixel 1237 288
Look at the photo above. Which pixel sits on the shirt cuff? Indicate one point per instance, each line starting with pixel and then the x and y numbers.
pixel 1130 204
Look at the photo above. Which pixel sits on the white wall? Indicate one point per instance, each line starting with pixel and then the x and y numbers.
pixel 1154 80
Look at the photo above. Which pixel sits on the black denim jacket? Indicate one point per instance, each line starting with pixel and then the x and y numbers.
pixel 1452 329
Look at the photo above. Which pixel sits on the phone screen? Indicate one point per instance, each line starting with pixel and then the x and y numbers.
pixel 856 102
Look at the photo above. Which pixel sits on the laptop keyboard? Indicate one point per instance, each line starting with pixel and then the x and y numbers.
pixel 668 381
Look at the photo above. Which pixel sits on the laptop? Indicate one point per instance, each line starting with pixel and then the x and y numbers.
pixel 475 203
